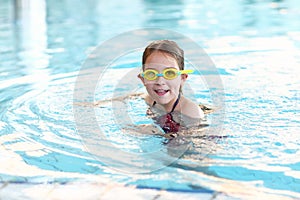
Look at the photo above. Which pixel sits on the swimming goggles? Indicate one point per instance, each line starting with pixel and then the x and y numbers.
pixel 169 73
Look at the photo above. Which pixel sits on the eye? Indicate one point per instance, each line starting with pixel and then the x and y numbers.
pixel 150 74
pixel 170 73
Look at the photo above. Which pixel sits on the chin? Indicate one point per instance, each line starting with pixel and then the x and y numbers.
pixel 164 99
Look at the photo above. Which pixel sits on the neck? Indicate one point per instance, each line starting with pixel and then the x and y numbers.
pixel 170 106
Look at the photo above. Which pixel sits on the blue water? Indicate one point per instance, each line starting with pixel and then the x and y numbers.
pixel 255 46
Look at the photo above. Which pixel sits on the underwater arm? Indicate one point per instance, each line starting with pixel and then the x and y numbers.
pixel 105 101
pixel 120 98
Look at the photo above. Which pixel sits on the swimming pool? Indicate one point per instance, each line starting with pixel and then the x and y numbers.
pixel 255 47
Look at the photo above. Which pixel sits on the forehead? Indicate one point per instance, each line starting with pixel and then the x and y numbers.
pixel 160 60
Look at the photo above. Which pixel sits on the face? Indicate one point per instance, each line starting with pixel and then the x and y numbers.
pixel 161 90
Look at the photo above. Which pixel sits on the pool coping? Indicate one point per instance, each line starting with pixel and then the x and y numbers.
pixel 94 190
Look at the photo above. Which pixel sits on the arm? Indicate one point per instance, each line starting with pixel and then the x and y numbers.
pixel 120 98
pixel 105 101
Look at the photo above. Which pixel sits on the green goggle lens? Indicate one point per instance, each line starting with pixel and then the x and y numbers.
pixel 150 75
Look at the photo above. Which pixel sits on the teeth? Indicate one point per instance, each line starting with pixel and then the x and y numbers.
pixel 161 90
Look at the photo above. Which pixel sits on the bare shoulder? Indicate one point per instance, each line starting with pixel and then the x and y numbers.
pixel 191 109
pixel 147 99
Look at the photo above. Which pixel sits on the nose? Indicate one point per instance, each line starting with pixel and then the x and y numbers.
pixel 160 80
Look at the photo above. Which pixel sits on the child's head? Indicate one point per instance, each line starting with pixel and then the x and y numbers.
pixel 163 75
pixel 165 46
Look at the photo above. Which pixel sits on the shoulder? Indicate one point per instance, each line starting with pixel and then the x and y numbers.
pixel 148 99
pixel 191 109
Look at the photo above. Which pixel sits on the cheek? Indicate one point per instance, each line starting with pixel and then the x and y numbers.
pixel 148 84
pixel 175 83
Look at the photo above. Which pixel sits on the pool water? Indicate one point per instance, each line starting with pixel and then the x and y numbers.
pixel 255 47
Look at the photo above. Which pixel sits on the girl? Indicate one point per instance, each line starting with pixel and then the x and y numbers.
pixel 164 76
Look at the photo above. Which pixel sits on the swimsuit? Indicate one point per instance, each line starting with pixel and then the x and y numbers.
pixel 166 122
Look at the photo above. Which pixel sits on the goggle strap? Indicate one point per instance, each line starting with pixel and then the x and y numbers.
pixel 187 71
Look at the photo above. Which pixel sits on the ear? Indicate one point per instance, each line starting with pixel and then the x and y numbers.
pixel 184 77
pixel 142 78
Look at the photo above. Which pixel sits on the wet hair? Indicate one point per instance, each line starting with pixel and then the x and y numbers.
pixel 165 46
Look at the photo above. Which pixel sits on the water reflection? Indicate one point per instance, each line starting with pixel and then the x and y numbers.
pixel 267 18
pixel 262 86
pixel 163 13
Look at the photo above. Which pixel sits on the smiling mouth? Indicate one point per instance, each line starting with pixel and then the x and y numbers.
pixel 161 92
